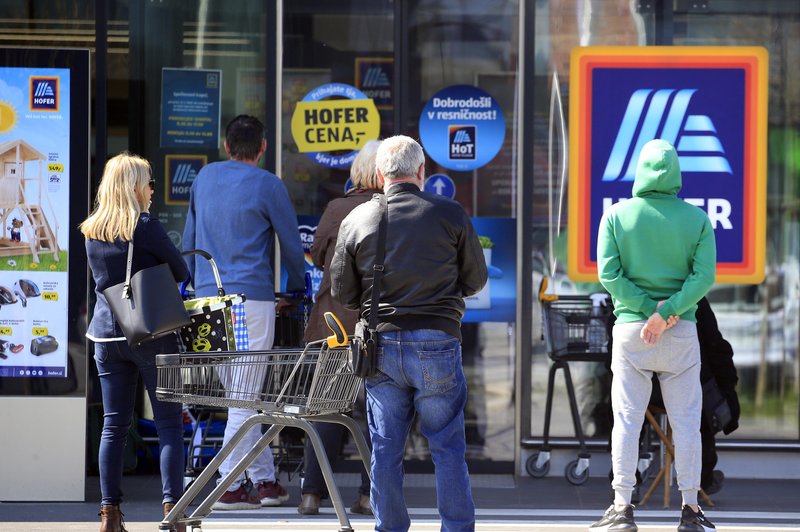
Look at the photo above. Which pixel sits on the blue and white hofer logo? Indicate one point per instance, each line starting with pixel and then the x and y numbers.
pixel 462 127
pixel 44 93
pixel 664 114
pixel 700 112
pixel 181 172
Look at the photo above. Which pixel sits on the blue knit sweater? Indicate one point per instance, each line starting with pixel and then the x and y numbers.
pixel 235 210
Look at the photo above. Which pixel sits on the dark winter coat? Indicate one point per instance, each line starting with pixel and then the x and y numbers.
pixel 322 253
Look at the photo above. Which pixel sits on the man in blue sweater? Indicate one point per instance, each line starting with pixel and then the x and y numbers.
pixel 235 211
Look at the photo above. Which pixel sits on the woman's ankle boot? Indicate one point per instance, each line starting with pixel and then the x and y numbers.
pixel 178 527
pixel 111 518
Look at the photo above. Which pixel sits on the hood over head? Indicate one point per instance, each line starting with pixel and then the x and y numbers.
pixel 658 171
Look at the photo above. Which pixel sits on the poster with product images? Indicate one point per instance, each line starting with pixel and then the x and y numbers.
pixel 34 220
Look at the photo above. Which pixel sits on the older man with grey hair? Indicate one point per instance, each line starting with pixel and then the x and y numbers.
pixel 433 259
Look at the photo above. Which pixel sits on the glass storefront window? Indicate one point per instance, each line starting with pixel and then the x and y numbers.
pixel 443 45
pixel 761 322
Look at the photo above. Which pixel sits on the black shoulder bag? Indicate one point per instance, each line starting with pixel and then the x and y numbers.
pixel 364 345
pixel 148 304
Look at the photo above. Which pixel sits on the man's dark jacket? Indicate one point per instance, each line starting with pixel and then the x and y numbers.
pixel 433 260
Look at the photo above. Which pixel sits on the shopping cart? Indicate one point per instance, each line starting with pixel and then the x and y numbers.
pixel 314 383
pixel 290 326
pixel 291 321
pixel 575 330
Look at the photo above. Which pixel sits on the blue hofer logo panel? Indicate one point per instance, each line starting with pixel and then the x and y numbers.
pixel 44 93
pixel 462 127
pixel 374 77
pixel 181 171
pixel 710 103
pixel 698 112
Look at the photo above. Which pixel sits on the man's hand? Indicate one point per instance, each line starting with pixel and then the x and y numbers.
pixel 653 329
pixel 656 325
pixel 284 305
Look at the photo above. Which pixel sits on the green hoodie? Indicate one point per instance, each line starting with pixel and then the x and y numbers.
pixel 655 246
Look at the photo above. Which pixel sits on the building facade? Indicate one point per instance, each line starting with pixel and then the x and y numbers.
pixel 268 58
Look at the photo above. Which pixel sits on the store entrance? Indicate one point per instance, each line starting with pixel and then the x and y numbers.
pixel 402 55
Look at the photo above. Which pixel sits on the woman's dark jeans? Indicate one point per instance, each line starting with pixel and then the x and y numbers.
pixel 119 367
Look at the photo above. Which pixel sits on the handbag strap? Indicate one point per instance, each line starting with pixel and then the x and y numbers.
pixel 126 289
pixel 377 267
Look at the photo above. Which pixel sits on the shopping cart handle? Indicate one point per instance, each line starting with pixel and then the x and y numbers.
pixel 339 337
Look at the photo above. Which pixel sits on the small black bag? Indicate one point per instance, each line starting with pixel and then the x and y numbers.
pixel 715 407
pixel 363 347
pixel 148 304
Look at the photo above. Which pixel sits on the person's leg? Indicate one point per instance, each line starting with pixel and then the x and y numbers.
pixel 389 413
pixel 432 363
pixel 683 399
pixel 359 414
pixel 709 456
pixel 260 317
pixel 261 332
pixel 331 435
pixel 118 379
pixel 630 394
pixel 168 419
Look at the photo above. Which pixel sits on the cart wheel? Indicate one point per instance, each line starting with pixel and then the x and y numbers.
pixel 534 470
pixel 187 481
pixel 573 477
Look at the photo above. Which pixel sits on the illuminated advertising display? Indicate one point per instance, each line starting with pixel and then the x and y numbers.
pixel 35 169
pixel 710 103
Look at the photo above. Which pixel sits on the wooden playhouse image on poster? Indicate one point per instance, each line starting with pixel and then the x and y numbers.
pixel 26 229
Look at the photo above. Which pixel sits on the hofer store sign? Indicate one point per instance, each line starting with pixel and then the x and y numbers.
pixel 710 103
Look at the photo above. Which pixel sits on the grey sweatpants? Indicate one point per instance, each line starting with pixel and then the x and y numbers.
pixel 676 361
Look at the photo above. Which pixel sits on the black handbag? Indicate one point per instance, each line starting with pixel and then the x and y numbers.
pixel 715 407
pixel 364 343
pixel 148 304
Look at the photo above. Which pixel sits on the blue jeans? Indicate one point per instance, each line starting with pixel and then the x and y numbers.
pixel 119 368
pixel 419 371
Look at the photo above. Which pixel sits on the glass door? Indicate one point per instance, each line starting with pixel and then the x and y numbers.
pixel 426 65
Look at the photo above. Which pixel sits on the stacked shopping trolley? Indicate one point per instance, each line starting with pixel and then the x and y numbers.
pixel 575 329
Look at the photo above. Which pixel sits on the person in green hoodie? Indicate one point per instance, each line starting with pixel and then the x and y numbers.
pixel 656 256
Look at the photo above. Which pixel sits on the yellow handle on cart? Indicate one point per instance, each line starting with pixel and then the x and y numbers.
pixel 545 297
pixel 339 337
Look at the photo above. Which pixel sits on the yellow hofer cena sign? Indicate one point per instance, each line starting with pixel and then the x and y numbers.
pixel 321 125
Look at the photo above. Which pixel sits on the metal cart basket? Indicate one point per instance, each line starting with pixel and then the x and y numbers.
pixel 315 382
pixel 574 330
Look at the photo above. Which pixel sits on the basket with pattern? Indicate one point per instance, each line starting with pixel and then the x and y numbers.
pixel 218 322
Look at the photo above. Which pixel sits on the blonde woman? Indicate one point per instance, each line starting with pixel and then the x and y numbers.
pixel 119 216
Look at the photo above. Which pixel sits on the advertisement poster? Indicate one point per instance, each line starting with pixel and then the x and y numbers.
pixel 708 102
pixel 332 122
pixel 462 127
pixel 496 302
pixel 190 108
pixel 34 216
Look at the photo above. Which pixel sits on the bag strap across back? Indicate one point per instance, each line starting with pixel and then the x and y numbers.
pixel 377 267
pixel 126 290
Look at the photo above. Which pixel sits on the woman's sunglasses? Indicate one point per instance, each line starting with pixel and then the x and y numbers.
pixel 152 184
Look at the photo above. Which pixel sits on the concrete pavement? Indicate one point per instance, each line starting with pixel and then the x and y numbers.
pixel 504 504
